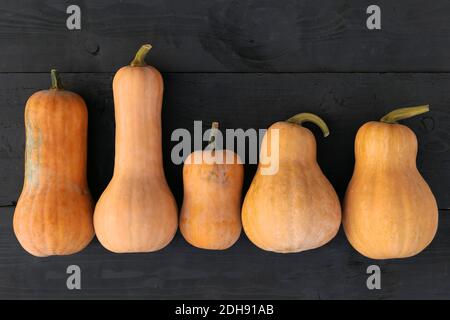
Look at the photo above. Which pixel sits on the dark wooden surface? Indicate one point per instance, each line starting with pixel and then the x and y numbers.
pixel 335 271
pixel 227 35
pixel 245 64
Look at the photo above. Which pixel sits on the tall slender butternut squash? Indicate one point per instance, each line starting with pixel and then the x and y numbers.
pixel 54 213
pixel 137 212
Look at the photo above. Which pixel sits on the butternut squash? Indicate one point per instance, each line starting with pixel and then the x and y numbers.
pixel 389 210
pixel 211 212
pixel 295 209
pixel 137 212
pixel 53 215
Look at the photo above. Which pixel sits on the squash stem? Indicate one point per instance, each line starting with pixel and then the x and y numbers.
pixel 404 113
pixel 139 60
pixel 309 117
pixel 212 135
pixel 56 80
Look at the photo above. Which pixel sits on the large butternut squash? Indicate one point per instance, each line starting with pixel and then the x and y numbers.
pixel 54 213
pixel 295 209
pixel 211 212
pixel 389 210
pixel 137 211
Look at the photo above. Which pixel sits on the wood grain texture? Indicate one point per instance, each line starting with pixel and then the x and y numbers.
pixel 315 57
pixel 224 36
pixel 180 271
pixel 345 101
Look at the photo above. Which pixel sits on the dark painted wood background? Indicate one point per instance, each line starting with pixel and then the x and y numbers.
pixel 246 64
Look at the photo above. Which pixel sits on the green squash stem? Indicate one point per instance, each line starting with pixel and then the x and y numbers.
pixel 56 80
pixel 139 60
pixel 309 117
pixel 404 113
pixel 212 135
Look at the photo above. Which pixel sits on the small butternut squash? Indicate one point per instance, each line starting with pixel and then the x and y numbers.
pixel 53 215
pixel 389 210
pixel 211 212
pixel 137 212
pixel 295 209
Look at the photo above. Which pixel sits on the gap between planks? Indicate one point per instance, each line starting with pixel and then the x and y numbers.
pixel 242 72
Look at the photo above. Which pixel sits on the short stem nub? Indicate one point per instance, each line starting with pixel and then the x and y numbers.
pixel 56 80
pixel 212 135
pixel 404 113
pixel 309 117
pixel 139 60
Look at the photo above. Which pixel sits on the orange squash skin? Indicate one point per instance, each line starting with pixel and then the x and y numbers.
pixel 296 209
pixel 137 212
pixel 211 212
pixel 389 210
pixel 54 213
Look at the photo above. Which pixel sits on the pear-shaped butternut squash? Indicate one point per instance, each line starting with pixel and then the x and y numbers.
pixel 211 212
pixel 137 212
pixel 389 210
pixel 296 208
pixel 54 213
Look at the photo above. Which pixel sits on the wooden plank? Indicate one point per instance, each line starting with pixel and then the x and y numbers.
pixel 245 101
pixel 224 36
pixel 180 271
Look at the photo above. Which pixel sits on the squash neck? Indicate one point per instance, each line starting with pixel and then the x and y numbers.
pixel 138 147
